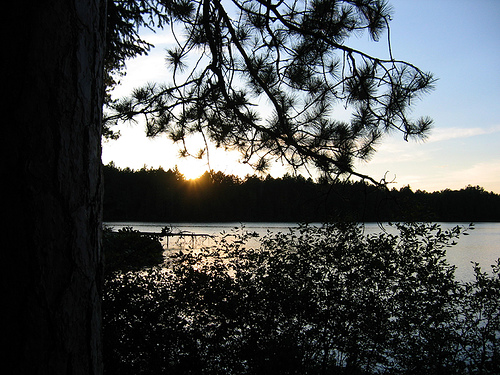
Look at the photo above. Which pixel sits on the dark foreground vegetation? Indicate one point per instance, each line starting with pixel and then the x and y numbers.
pixel 165 196
pixel 329 300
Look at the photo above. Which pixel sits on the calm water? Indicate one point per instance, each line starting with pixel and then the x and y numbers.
pixel 482 245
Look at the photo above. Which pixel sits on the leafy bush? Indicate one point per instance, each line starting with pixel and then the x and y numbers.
pixel 310 301
pixel 128 250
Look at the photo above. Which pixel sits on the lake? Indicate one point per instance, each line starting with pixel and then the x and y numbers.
pixel 482 245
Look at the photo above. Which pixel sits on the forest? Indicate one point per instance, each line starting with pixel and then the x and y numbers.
pixel 159 195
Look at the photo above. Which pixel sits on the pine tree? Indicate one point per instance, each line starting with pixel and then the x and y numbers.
pixel 293 55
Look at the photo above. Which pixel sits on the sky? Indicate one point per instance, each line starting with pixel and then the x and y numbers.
pixel 457 40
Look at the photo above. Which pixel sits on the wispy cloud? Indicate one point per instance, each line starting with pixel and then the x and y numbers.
pixel 485 174
pixel 444 134
pixel 161 38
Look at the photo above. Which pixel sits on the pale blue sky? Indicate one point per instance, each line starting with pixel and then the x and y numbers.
pixel 457 40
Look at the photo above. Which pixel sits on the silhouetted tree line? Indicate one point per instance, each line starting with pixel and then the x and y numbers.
pixel 158 195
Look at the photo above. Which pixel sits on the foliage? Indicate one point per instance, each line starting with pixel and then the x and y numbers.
pixel 125 18
pixel 479 322
pixel 128 250
pixel 315 300
pixel 232 56
pixel 165 196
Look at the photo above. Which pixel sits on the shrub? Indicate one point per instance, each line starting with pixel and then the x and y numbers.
pixel 310 301
pixel 128 250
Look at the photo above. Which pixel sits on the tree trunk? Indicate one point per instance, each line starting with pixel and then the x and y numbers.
pixel 51 252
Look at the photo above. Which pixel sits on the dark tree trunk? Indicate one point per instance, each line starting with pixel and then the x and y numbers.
pixel 51 251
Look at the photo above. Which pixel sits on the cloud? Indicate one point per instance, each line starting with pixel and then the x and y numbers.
pixel 160 38
pixel 444 134
pixel 396 150
pixel 485 174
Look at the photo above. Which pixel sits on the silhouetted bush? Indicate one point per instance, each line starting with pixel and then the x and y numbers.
pixel 308 301
pixel 128 250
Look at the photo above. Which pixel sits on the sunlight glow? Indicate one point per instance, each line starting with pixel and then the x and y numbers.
pixel 192 168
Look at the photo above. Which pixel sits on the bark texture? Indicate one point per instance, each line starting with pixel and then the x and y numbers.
pixel 52 260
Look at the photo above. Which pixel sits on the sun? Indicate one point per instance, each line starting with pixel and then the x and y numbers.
pixel 192 168
pixel 191 174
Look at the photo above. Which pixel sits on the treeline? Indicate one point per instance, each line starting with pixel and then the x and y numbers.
pixel 166 196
